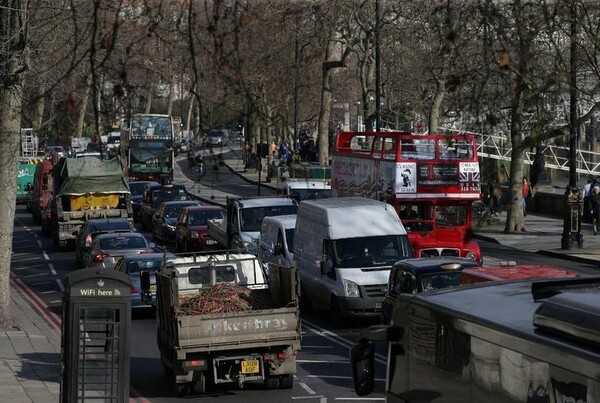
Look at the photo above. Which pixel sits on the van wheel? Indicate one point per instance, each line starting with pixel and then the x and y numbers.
pixel 271 382
pixel 182 389
pixel 306 305
pixel 199 387
pixel 336 316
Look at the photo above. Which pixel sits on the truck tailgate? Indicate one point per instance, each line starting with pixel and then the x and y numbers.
pixel 267 326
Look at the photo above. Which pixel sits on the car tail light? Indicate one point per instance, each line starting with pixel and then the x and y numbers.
pixel 146 251
pixel 281 355
pixel 99 257
pixel 194 234
pixel 88 240
pixel 132 289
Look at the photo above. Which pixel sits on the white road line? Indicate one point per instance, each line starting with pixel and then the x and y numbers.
pixel 56 301
pixel 306 388
pixel 45 255
pixel 39 243
pixel 41 283
pixel 309 397
pixel 52 268
pixel 335 377
pixel 30 266
pixel 60 285
pixel 303 346
pixel 47 292
pixel 360 399
pixel 25 260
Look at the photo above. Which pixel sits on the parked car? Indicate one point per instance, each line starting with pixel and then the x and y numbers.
pixel 137 193
pixel 94 227
pixel 106 250
pixel 133 266
pixel 411 276
pixel 154 194
pixel 165 218
pixel 191 231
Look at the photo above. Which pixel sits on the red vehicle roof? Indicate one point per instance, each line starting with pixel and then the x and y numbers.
pixel 516 272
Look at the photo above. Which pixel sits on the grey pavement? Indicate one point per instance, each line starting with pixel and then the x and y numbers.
pixel 30 354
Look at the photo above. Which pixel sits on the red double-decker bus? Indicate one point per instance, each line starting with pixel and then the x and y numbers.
pixel 147 144
pixel 431 180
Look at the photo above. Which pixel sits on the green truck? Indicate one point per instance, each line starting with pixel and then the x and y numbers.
pixel 86 188
pixel 25 173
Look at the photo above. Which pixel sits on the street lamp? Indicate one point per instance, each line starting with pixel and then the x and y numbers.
pixel 573 200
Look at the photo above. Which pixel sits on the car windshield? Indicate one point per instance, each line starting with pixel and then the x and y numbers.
pixel 371 251
pixel 172 211
pixel 202 217
pixel 138 265
pixel 122 242
pixel 439 280
pixel 252 216
pixel 168 194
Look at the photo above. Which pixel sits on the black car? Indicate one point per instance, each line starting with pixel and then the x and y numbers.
pixel 95 227
pixel 154 194
pixel 411 276
pixel 137 193
pixel 164 220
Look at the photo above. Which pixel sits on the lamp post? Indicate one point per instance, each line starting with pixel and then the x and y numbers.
pixel 573 200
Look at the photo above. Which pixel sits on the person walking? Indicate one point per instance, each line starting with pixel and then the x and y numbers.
pixel 526 191
pixel 587 192
pixel 595 208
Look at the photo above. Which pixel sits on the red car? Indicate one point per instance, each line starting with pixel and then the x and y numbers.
pixel 191 230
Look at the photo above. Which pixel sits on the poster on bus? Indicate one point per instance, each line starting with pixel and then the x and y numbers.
pixel 469 177
pixel 406 177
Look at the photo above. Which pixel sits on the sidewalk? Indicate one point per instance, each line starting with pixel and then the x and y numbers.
pixel 30 354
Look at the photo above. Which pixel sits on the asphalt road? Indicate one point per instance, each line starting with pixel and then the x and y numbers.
pixel 323 367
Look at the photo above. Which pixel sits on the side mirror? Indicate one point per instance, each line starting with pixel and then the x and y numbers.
pixel 278 250
pixel 152 245
pixel 362 360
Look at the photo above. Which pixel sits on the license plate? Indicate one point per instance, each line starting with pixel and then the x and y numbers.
pixel 211 242
pixel 153 287
pixel 250 367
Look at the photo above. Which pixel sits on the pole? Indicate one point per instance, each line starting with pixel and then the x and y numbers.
pixel 378 65
pixel 573 199
pixel 296 79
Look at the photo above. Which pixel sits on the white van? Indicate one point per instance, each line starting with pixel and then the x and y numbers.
pixel 277 240
pixel 306 189
pixel 344 248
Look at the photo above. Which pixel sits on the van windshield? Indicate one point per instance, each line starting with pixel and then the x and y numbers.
pixel 371 251
pixel 252 217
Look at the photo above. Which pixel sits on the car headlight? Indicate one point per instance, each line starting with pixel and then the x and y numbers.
pixel 471 256
pixel 351 288
pixel 194 235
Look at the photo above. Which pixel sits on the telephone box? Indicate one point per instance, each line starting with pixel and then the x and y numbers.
pixel 95 336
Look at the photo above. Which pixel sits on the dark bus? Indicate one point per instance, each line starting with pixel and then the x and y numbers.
pixel 527 341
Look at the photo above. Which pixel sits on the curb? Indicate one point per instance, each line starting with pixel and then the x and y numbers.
pixel 248 180
pixel 572 258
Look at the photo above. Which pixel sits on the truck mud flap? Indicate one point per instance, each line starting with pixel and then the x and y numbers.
pixel 239 369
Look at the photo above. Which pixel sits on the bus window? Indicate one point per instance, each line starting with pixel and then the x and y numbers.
pixel 451 215
pixel 459 149
pixel 389 148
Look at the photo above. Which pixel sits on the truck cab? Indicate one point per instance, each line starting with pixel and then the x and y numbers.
pixel 306 189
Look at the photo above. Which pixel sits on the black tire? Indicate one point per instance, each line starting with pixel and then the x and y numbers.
pixel 200 386
pixel 271 382
pixel 306 305
pixel 286 381
pixel 182 389
pixel 336 316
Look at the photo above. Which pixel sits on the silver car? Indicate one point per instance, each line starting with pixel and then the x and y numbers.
pixel 106 250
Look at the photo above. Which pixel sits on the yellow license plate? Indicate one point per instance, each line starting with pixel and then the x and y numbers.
pixel 250 367
pixel 153 287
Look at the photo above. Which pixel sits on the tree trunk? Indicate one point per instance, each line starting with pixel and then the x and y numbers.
pixel 13 36
pixel 171 96
pixel 82 109
pixel 38 111
pixel 438 98
pixel 324 116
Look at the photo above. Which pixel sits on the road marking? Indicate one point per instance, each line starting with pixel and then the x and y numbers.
pixel 56 301
pixel 46 292
pixel 25 260
pixel 45 255
pixel 39 243
pixel 360 399
pixel 60 285
pixel 52 268
pixel 303 346
pixel 309 397
pixel 30 266
pixel 306 388
pixel 36 275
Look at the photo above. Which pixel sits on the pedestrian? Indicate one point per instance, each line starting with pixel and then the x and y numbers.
pixel 526 191
pixel 494 202
pixel 587 191
pixel 595 208
pixel 284 151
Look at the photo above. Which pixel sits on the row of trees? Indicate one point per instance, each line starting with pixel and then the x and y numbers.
pixel 72 67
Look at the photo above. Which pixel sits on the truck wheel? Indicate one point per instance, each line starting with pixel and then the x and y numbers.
pixel 182 389
pixel 200 386
pixel 286 381
pixel 305 303
pixel 336 316
pixel 271 382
